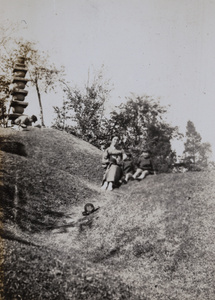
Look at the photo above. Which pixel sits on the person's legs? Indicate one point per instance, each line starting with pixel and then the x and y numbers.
pixel 113 177
pixel 137 173
pixel 110 186
pixel 128 176
pixel 143 175
pixel 104 186
pixel 114 174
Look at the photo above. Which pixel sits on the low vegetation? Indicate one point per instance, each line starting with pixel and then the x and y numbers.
pixel 148 240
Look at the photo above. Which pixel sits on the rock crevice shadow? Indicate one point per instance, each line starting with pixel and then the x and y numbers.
pixel 13 147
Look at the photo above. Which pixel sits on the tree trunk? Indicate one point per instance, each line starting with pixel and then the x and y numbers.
pixel 40 104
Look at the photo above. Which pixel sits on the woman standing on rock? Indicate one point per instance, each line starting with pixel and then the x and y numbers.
pixel 112 162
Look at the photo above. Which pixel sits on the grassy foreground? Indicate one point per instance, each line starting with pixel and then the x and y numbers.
pixel 148 240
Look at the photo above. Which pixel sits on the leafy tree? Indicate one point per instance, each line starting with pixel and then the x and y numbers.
pixel 5 75
pixel 193 143
pixel 205 152
pixel 6 36
pixel 4 98
pixel 62 121
pixel 140 124
pixel 7 42
pixel 83 111
pixel 158 140
pixel 44 76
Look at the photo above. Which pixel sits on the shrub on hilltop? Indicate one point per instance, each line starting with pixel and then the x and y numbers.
pixel 139 123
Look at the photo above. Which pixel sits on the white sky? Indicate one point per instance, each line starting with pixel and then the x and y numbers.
pixel 162 48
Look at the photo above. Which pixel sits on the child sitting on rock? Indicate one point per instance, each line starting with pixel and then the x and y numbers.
pixel 128 167
pixel 144 165
pixel 24 121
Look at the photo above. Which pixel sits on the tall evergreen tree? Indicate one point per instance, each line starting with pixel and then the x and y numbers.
pixel 193 142
pixel 205 153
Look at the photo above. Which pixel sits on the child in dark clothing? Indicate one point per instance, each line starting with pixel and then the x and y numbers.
pixel 144 166
pixel 128 167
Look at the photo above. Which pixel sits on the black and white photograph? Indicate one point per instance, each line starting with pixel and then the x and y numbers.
pixel 107 150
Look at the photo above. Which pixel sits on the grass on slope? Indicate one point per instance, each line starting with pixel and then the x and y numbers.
pixel 53 170
pixel 160 236
pixel 150 240
pixel 38 273
pixel 46 174
pixel 156 236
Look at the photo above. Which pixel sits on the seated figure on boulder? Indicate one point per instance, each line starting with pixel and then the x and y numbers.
pixel 144 165
pixel 128 167
pixel 112 162
pixel 25 121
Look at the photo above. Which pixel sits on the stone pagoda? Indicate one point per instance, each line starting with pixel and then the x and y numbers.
pixel 18 92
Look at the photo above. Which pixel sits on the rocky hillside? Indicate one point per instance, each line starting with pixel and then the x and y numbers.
pixel 148 240
pixel 43 172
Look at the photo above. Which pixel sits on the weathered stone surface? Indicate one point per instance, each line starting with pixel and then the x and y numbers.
pixel 19 91
pixel 17 103
pixel 17 79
